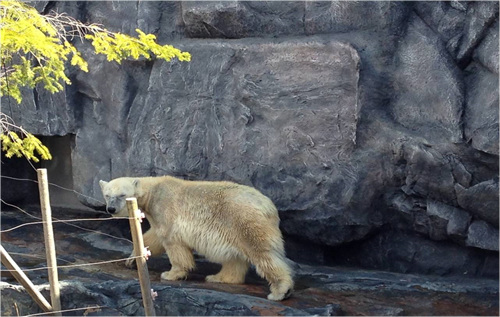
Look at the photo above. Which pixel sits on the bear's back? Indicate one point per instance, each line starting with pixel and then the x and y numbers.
pixel 227 197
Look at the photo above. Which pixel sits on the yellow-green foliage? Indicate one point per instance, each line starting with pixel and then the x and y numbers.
pixel 32 51
pixel 12 144
pixel 118 46
pixel 35 50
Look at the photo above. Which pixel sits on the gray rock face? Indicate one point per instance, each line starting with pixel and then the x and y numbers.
pixel 319 290
pixel 348 16
pixel 482 235
pixel 444 18
pixel 487 51
pixel 481 109
pixel 479 200
pixel 372 124
pixel 480 16
pixel 421 105
pixel 397 250
pixel 450 220
pixel 239 19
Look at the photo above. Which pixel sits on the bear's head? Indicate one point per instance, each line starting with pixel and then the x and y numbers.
pixel 116 192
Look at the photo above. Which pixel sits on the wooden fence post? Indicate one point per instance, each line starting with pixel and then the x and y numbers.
pixel 140 253
pixel 50 246
pixel 19 275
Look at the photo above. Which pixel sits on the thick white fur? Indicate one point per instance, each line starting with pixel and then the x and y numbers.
pixel 230 224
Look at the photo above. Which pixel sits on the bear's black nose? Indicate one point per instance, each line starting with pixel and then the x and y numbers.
pixel 111 210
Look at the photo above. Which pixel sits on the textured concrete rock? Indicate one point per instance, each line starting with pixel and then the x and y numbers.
pixel 481 109
pixel 444 19
pixel 424 164
pixel 320 291
pixel 238 19
pixel 434 219
pixel 480 16
pixel 43 113
pixel 408 253
pixel 482 235
pixel 487 51
pixel 455 221
pixel 210 117
pixel 348 16
pixel 480 200
pixel 354 117
pixel 428 86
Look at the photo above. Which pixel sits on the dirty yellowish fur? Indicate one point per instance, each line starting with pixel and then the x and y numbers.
pixel 228 223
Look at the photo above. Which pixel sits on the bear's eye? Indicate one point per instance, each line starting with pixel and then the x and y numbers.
pixel 121 196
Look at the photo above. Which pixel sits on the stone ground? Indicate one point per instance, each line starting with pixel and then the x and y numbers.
pixel 325 291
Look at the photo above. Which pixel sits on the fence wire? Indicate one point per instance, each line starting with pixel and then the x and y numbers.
pixel 71 266
pixel 54 185
pixel 68 222
pixel 90 309
pixel 65 221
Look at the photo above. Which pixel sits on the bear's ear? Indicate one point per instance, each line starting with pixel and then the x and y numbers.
pixel 135 183
pixel 137 187
pixel 102 184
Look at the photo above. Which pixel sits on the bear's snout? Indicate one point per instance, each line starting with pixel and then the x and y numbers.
pixel 111 210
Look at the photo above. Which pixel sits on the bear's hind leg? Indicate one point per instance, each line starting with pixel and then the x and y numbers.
pixel 276 271
pixel 232 272
pixel 182 260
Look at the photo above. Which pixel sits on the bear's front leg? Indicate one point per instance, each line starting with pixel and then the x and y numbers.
pixel 152 242
pixel 182 260
pixel 130 262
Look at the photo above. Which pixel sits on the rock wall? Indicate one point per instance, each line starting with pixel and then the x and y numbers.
pixel 373 126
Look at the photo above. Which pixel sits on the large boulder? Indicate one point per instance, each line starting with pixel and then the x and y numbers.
pixel 239 19
pixel 480 200
pixel 481 108
pixel 428 86
pixel 482 235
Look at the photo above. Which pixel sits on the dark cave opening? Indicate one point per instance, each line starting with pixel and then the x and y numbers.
pixel 19 180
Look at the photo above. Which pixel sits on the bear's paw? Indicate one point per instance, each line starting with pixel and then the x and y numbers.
pixel 228 279
pixel 174 275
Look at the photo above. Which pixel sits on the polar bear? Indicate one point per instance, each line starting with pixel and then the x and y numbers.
pixel 228 223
